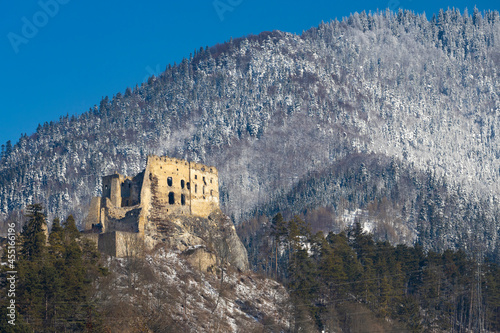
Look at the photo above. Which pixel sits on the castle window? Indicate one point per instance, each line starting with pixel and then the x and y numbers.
pixel 182 183
pixel 171 198
pixel 195 188
pixel 212 193
pixel 188 185
pixel 210 180
pixel 203 189
pixel 169 181
pixel 183 199
pixel 204 182
pixel 195 176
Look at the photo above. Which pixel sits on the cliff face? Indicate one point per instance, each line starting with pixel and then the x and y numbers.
pixel 205 242
pixel 163 292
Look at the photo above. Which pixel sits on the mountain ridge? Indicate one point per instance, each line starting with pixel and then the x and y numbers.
pixel 271 109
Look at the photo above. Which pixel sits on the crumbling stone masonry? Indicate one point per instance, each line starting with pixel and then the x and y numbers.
pixel 123 220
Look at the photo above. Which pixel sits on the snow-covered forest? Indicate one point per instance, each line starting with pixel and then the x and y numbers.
pixel 386 106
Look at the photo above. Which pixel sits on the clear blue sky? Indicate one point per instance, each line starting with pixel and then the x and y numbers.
pixel 61 57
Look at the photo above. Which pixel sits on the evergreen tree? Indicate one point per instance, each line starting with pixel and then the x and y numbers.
pixel 55 278
pixel 33 236
pixel 279 234
pixel 33 268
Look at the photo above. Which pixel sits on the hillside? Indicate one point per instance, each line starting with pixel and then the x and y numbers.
pixel 273 111
pixel 164 293
pixel 65 285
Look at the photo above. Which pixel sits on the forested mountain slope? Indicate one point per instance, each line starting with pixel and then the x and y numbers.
pixel 273 110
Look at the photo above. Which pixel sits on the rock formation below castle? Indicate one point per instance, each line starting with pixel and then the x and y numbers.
pixel 172 202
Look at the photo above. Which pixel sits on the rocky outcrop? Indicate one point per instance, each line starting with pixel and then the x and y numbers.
pixel 204 242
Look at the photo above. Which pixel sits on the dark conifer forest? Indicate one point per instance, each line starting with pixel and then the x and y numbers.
pixel 55 278
pixel 348 282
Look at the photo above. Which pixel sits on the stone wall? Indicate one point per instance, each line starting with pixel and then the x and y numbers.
pixel 119 243
pixel 204 189
pixel 121 218
pixel 131 190
pixel 107 243
pixel 129 244
pixel 93 216
pixel 169 185
pixel 92 237
pixel 123 191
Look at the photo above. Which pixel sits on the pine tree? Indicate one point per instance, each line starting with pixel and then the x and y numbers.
pixel 492 295
pixel 352 267
pixel 33 236
pixel 55 278
pixel 279 233
pixel 56 239
pixel 33 268
pixel 302 271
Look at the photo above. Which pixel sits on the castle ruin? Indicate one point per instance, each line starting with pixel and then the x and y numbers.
pixel 124 220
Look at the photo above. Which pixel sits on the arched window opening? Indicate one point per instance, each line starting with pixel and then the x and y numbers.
pixel 171 198
pixel 212 193
pixel 188 185
pixel 169 181
pixel 195 188
pixel 183 199
pixel 182 183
